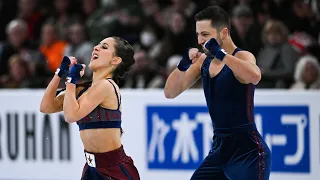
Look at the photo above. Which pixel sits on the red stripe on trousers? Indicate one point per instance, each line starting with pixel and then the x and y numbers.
pixel 260 160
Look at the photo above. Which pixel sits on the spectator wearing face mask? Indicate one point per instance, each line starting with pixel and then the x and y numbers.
pixel 150 42
pixel 307 74
pixel 148 37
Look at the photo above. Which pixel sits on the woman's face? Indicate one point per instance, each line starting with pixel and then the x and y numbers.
pixel 76 34
pixel 310 73
pixel 274 38
pixel 103 55
pixel 178 23
pixel 17 72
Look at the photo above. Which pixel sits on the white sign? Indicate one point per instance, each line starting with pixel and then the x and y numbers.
pixel 167 139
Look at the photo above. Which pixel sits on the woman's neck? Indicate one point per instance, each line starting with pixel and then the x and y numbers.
pixel 98 76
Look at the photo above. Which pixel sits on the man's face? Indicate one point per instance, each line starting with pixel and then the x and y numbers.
pixel 17 35
pixel 205 32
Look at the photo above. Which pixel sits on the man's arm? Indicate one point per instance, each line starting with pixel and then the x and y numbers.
pixel 243 64
pixel 178 81
pixel 244 67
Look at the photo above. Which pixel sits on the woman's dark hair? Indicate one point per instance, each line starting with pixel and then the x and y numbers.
pixel 125 51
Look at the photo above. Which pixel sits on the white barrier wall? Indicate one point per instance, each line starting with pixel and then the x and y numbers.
pixel 166 138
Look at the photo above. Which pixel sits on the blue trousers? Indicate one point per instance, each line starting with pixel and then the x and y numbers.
pixel 236 156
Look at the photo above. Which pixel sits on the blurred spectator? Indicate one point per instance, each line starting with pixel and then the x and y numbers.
pixel 172 63
pixel 19 74
pixel 315 6
pixel 32 16
pixel 51 46
pixel 244 30
pixel 18 43
pixel 188 9
pixel 148 37
pixel 301 41
pixel 8 11
pixel 262 13
pixel 178 38
pixel 63 15
pixel 103 22
pixel 277 32
pixel 307 73
pixel 89 7
pixel 78 45
pixel 160 80
pixel 277 59
pixel 142 73
pixel 115 18
pixel 299 17
pixel 130 20
pixel 45 7
pixel 152 12
pixel 314 50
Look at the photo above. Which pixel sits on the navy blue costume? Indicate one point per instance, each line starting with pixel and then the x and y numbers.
pixel 238 151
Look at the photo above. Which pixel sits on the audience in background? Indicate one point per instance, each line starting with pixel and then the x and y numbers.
pixel 283 35
pixel 19 74
pixel 18 43
pixel 78 45
pixel 51 46
pixel 307 73
pixel 277 59
pixel 245 30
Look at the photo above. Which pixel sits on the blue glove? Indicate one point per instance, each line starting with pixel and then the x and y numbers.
pixel 74 74
pixel 64 67
pixel 185 62
pixel 214 48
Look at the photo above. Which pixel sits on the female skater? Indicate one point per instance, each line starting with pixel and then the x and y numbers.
pixel 96 107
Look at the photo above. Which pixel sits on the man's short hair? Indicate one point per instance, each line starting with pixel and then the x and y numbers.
pixel 219 17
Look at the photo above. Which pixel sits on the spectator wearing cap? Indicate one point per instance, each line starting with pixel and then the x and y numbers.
pixel 244 30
